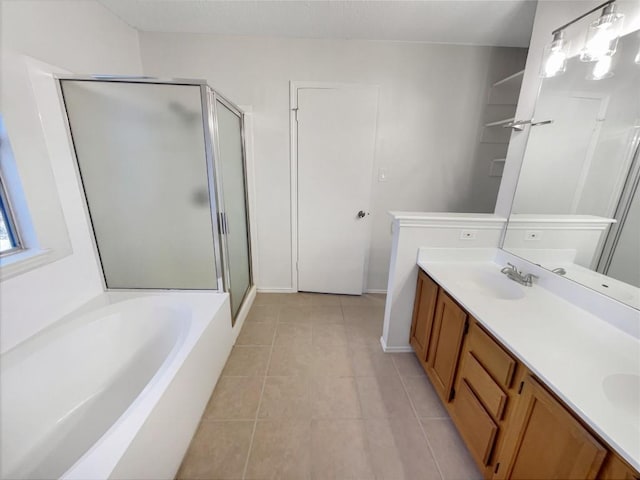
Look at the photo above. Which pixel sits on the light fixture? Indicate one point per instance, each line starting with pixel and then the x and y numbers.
pixel 554 58
pixel 601 69
pixel 602 35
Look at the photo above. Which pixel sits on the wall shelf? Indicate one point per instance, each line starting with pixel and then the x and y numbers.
pixel 500 123
pixel 513 78
pixel 506 90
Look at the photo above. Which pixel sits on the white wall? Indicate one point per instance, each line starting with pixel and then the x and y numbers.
pixel 432 98
pixel 73 36
pixel 583 235
pixel 550 14
pixel 415 230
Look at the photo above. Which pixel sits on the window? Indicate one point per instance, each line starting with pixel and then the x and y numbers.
pixel 35 123
pixel 11 240
pixel 9 237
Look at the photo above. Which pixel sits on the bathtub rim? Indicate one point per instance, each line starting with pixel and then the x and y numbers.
pixel 103 455
pixel 106 452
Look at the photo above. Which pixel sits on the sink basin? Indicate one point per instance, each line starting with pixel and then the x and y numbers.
pixel 623 390
pixel 494 285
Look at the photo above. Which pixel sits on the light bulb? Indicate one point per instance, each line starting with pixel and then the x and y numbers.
pixel 555 63
pixel 554 58
pixel 602 69
pixel 602 35
pixel 598 45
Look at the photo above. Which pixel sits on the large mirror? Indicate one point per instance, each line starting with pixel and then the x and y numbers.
pixel 576 209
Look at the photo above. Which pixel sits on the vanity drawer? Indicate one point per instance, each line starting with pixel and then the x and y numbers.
pixel 475 424
pixel 486 389
pixel 491 356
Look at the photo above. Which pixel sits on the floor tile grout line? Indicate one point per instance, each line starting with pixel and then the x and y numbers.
pixel 226 420
pixel 363 419
pixel 415 413
pixel 350 356
pixel 264 383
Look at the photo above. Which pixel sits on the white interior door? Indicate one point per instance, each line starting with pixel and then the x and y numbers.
pixel 336 145
pixel 558 165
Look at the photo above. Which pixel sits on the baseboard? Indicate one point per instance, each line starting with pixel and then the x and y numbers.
pixel 388 349
pixel 275 290
pixel 290 290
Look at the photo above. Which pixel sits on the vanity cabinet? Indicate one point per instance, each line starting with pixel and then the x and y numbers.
pixel 423 309
pixel 544 440
pixel 513 427
pixel 437 331
pixel 616 469
pixel 486 387
pixel 449 328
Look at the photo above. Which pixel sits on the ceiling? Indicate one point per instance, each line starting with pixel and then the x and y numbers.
pixel 471 22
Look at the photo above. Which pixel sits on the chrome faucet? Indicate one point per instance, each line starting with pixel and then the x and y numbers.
pixel 512 272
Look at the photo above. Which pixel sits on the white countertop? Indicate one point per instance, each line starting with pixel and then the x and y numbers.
pixel 475 217
pixel 590 364
pixel 553 218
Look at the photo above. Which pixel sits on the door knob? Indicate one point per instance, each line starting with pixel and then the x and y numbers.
pixel 361 214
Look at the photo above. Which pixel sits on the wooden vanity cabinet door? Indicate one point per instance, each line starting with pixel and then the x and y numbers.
pixel 475 425
pixel 543 440
pixel 449 327
pixel 616 469
pixel 423 309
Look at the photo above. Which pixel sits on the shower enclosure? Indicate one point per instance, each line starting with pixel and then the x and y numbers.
pixel 162 166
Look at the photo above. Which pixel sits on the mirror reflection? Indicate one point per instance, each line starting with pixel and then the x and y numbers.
pixel 576 209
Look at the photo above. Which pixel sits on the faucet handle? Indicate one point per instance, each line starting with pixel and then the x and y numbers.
pixel 510 268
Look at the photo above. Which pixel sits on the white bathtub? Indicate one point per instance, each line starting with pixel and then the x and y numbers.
pixel 113 390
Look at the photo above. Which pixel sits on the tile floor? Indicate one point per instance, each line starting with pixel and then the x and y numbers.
pixel 308 393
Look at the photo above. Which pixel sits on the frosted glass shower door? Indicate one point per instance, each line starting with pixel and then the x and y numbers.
pixel 231 167
pixel 141 152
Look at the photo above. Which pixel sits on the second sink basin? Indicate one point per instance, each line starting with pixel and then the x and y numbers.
pixel 494 285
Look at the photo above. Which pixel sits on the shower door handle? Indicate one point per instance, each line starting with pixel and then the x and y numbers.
pixel 223 225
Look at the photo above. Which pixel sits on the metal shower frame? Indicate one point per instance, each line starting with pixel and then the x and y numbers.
pixel 209 98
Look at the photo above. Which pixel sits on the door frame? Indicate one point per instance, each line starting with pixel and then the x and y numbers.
pixel 294 86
